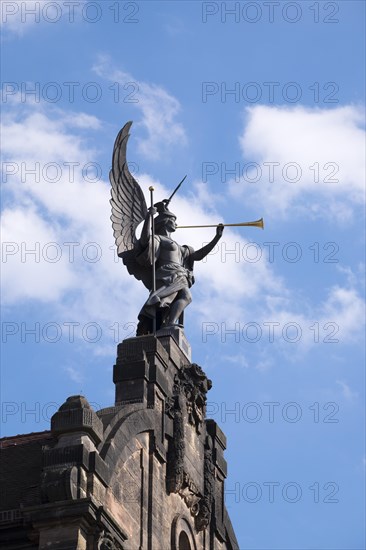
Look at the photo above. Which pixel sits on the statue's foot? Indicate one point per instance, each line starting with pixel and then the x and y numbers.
pixel 171 325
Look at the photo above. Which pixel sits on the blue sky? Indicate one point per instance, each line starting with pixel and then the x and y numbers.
pixel 262 108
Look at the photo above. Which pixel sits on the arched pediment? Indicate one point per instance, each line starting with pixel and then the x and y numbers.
pixel 121 431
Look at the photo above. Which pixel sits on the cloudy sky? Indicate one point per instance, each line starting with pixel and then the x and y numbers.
pixel 260 104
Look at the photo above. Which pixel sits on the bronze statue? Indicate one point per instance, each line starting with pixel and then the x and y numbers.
pixel 164 266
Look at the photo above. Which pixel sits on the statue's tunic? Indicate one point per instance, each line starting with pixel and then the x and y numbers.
pixel 173 271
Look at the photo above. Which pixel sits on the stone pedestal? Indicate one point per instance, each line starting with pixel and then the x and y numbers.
pixel 177 333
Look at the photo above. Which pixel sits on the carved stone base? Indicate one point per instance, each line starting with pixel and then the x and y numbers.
pixel 177 333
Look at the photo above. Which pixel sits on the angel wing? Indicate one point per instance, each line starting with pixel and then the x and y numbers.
pixel 128 202
pixel 128 207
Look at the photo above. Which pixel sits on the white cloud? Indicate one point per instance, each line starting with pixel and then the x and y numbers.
pixel 159 109
pixel 346 391
pixel 338 320
pixel 69 210
pixel 75 374
pixel 346 307
pixel 26 274
pixel 237 360
pixel 82 120
pixel 78 211
pixel 331 141
pixel 42 137
pixel 18 16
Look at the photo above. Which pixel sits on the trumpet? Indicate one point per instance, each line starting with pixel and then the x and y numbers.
pixel 257 223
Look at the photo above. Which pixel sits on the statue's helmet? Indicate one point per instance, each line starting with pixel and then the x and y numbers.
pixel 164 214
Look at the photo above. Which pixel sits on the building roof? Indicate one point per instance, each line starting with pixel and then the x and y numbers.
pixel 23 439
pixel 20 469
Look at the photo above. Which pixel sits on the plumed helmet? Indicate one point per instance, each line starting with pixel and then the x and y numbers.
pixel 163 213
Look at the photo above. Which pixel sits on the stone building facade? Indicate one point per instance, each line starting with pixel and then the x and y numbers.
pixel 147 473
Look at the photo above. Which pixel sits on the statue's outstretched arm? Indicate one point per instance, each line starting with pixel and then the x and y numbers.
pixel 198 255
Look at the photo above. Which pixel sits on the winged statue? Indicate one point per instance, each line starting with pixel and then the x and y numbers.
pixel 164 266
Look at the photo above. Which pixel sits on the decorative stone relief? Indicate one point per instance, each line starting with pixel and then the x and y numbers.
pixel 107 542
pixel 190 494
pixel 189 391
pixel 176 449
pixel 195 385
pixel 205 506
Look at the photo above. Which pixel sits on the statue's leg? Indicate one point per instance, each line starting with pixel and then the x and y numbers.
pixel 182 300
pixel 144 326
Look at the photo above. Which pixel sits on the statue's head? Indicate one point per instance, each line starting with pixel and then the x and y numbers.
pixel 165 218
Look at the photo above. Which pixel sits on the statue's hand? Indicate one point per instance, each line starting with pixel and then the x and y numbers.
pixel 219 230
pixel 151 211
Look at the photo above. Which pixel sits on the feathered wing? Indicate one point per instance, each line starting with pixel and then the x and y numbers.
pixel 128 202
pixel 128 207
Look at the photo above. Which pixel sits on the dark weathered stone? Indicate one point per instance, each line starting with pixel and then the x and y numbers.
pixel 205 509
pixel 76 415
pixel 147 473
